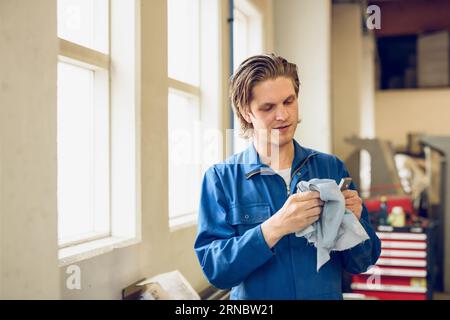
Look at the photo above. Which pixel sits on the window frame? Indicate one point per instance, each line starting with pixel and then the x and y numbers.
pixel 100 64
pixel 209 91
pixel 253 18
pixel 123 98
pixel 194 91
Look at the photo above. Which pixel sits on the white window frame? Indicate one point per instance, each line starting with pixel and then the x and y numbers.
pixel 254 21
pixel 209 91
pixel 122 65
pixel 97 62
pixel 255 25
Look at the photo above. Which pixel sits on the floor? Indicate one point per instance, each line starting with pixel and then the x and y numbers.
pixel 441 296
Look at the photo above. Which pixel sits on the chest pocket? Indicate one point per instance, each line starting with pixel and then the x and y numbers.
pixel 245 217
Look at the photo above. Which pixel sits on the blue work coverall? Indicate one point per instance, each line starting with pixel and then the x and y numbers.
pixel 241 193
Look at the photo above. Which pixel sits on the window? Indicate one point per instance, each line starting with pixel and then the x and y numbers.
pixel 83 121
pixel 97 125
pixel 247 41
pixel 397 58
pixel 184 106
pixel 195 141
pixel 84 22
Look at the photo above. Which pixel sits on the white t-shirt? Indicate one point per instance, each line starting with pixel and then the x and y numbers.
pixel 286 175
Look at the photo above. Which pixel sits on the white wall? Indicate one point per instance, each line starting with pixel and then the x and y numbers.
pixel 347 76
pixel 368 87
pixel 367 129
pixel 28 248
pixel 302 35
pixel 401 111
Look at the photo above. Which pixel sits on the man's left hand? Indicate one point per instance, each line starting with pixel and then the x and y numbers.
pixel 353 202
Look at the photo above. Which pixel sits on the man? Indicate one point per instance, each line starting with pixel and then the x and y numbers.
pixel 249 211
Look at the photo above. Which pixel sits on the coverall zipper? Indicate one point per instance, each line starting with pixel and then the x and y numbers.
pixel 288 187
pixel 288 238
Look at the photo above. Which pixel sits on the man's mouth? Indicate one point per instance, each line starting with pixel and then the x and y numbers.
pixel 283 127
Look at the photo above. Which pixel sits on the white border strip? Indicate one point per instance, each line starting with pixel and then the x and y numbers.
pixel 397 272
pixel 402 262
pixel 401 236
pixel 403 245
pixel 403 253
pixel 388 288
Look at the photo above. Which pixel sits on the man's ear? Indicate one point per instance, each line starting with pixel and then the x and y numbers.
pixel 246 115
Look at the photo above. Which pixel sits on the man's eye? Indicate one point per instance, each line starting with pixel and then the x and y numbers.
pixel 289 101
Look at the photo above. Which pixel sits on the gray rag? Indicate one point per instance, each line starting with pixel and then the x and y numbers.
pixel 337 228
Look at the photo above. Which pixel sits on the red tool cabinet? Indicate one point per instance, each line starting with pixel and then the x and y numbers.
pixel 402 271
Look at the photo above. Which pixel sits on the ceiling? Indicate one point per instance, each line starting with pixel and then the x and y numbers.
pixel 408 17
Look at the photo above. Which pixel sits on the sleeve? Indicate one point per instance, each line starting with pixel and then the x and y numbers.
pixel 358 259
pixel 225 258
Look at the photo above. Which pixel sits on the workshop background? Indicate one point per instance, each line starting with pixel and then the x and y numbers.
pixel 111 110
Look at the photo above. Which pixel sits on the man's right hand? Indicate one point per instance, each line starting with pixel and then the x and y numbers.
pixel 298 212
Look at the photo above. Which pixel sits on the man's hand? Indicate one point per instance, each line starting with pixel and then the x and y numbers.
pixel 298 212
pixel 353 202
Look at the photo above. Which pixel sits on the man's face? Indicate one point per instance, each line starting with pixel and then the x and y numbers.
pixel 274 111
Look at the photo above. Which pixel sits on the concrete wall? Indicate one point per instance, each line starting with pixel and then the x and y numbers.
pixel 28 247
pixel 302 35
pixel 401 111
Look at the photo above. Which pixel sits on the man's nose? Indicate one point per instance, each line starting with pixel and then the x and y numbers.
pixel 281 113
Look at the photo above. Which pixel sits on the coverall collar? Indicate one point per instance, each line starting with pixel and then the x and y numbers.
pixel 255 166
